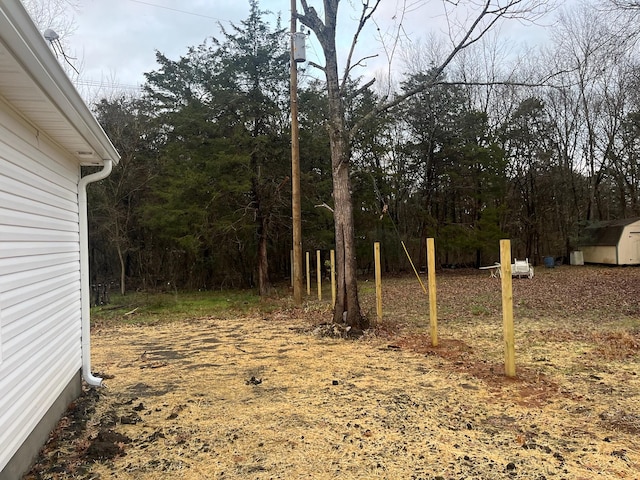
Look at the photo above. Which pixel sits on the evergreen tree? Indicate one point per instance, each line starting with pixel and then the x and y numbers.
pixel 222 108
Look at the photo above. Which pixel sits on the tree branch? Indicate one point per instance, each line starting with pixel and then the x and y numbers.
pixel 626 4
pixel 390 50
pixel 310 19
pixel 365 15
pixel 359 62
pixel 363 88
pixel 324 205
pixel 472 35
pixel 315 65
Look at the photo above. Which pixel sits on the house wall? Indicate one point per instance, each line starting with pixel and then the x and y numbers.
pixel 629 246
pixel 600 254
pixel 40 316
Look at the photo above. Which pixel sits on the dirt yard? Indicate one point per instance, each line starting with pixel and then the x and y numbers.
pixel 271 396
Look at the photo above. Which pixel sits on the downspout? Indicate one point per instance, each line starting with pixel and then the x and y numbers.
pixel 85 290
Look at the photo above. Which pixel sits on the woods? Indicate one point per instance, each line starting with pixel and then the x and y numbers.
pixel 471 145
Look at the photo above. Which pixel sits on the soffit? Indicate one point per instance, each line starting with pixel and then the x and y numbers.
pixel 34 84
pixel 23 94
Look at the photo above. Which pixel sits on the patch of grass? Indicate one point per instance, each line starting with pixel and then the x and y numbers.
pixel 478 310
pixel 162 307
pixel 367 288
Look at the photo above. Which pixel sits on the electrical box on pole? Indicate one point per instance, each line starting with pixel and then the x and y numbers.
pixel 299 53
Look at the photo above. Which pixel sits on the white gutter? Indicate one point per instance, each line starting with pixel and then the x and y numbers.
pixel 85 288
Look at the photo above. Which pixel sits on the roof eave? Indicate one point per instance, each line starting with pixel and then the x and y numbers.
pixel 24 40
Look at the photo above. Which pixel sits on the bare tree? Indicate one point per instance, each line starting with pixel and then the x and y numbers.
pixel 58 17
pixel 54 14
pixel 467 22
pixel 592 51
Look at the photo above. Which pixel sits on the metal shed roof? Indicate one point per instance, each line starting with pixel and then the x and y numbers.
pixel 33 84
pixel 606 233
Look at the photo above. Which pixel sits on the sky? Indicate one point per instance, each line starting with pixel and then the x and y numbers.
pixel 114 41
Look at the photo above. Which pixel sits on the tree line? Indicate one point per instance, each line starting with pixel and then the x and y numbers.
pixel 492 146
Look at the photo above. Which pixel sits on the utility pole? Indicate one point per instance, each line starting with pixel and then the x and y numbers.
pixel 295 170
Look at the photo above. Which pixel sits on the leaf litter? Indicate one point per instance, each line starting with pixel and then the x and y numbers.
pixel 273 396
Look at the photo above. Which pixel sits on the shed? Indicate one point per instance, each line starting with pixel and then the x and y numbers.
pixel 47 134
pixel 614 242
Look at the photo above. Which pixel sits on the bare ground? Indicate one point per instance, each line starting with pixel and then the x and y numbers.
pixel 272 397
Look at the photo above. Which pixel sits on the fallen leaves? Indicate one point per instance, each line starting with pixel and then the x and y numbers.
pixel 386 405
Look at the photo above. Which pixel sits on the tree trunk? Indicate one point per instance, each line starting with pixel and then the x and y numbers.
pixel 122 269
pixel 264 283
pixel 262 226
pixel 347 304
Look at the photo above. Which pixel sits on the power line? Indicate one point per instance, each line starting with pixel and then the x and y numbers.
pixel 177 10
pixel 108 85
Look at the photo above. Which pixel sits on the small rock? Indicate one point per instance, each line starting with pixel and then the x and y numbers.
pixel 511 466
pixel 130 420
pixel 155 436
pixel 622 454
pixel 335 382
pixel 176 410
pixel 254 381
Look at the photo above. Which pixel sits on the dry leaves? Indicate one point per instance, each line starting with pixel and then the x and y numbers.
pixel 264 397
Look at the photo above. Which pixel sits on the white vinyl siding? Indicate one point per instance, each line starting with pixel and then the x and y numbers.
pixel 40 319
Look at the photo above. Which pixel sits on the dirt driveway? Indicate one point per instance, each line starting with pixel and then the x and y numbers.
pixel 268 398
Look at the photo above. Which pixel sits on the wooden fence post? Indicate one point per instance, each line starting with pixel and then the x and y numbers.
pixel 319 274
pixel 433 306
pixel 378 276
pixel 507 309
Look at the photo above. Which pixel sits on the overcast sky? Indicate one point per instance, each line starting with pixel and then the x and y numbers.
pixel 115 40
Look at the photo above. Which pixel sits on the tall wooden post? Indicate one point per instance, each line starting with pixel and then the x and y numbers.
pixel 296 209
pixel 378 275
pixel 433 306
pixel 507 309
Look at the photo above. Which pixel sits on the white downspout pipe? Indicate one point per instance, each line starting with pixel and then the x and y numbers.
pixel 85 288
